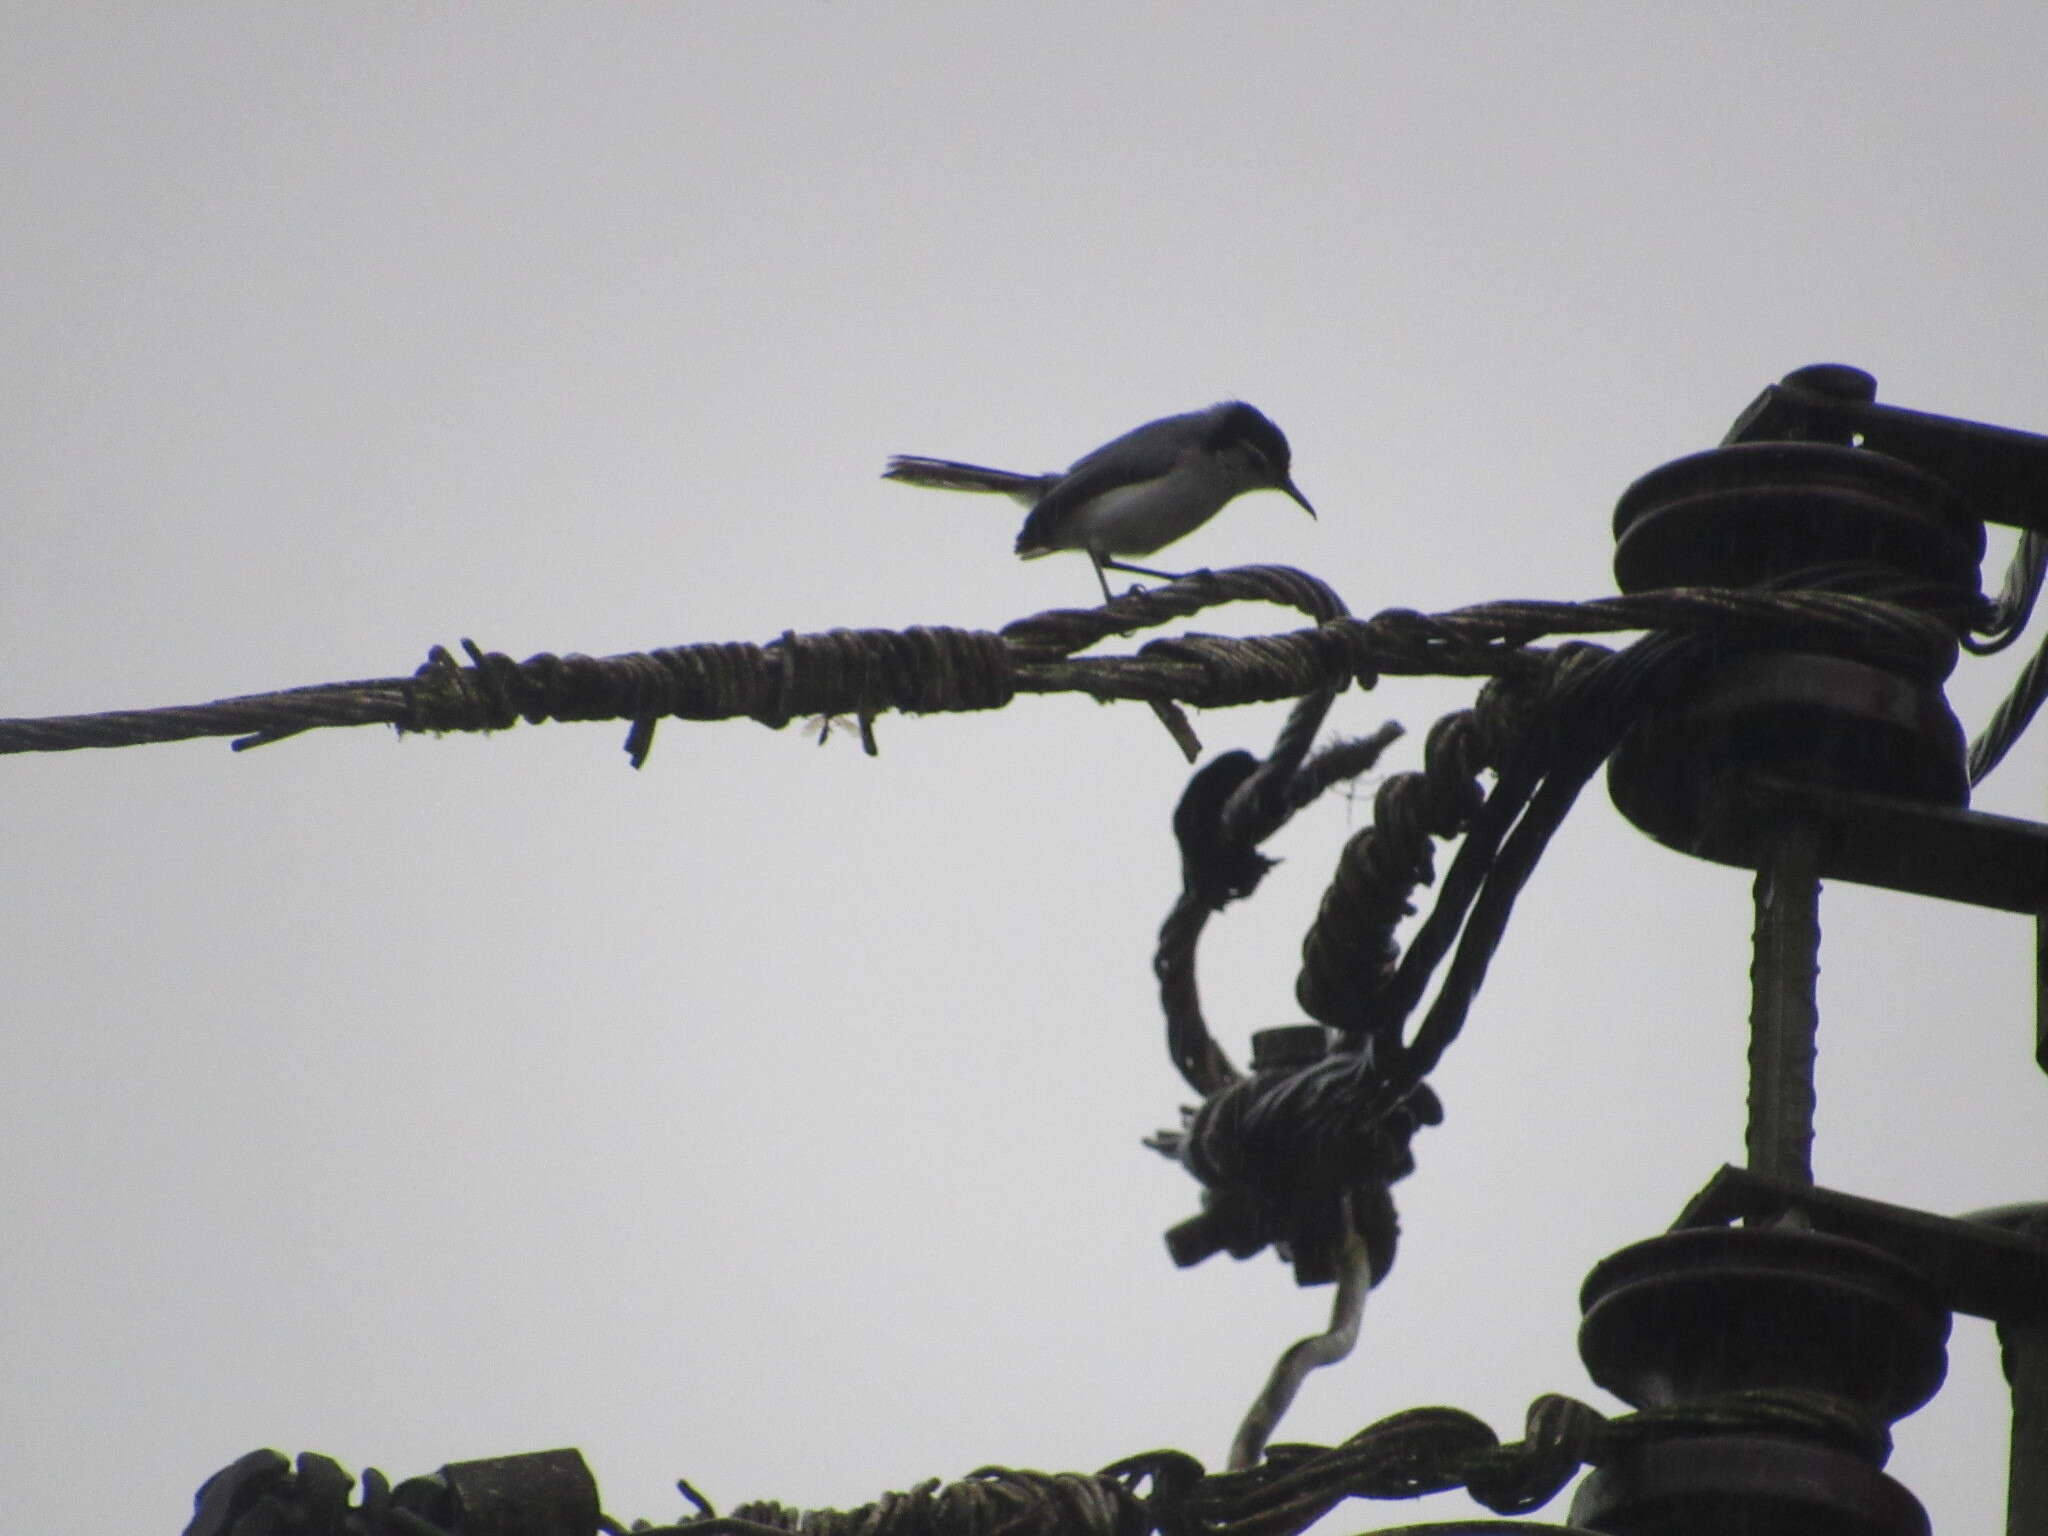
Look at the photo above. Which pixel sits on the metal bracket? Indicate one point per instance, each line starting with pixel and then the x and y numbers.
pixel 2002 471
pixel 1983 1269
pixel 1900 845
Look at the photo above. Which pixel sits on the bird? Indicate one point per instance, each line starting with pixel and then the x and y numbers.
pixel 1135 494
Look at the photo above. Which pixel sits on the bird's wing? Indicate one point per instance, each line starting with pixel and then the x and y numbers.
pixel 1141 454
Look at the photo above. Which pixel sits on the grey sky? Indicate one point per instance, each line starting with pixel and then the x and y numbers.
pixel 770 1117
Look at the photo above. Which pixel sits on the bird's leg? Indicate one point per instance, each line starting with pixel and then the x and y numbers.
pixel 1097 562
pixel 1170 714
pixel 1137 570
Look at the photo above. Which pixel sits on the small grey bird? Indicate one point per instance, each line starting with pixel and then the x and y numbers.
pixel 1136 493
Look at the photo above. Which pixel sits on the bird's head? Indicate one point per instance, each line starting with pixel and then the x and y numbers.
pixel 1247 434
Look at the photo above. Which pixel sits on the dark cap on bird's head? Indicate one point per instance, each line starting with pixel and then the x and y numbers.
pixel 1248 430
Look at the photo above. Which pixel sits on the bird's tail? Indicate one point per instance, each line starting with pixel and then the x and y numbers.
pixel 949 475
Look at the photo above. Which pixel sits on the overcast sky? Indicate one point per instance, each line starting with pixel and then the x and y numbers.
pixel 771 1117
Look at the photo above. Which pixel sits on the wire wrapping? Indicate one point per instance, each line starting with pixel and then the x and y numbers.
pixel 1302 1155
pixel 868 672
pixel 1403 1456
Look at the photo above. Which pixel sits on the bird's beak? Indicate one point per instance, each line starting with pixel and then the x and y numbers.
pixel 1299 500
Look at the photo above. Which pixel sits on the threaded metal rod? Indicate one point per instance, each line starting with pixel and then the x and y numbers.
pixel 1784 1016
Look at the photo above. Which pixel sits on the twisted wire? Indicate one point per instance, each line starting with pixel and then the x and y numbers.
pixel 1433 1450
pixel 933 670
pixel 1403 1456
pixel 1284 1156
pixel 1349 956
pixel 1063 631
pixel 994 1501
pixel 1228 810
